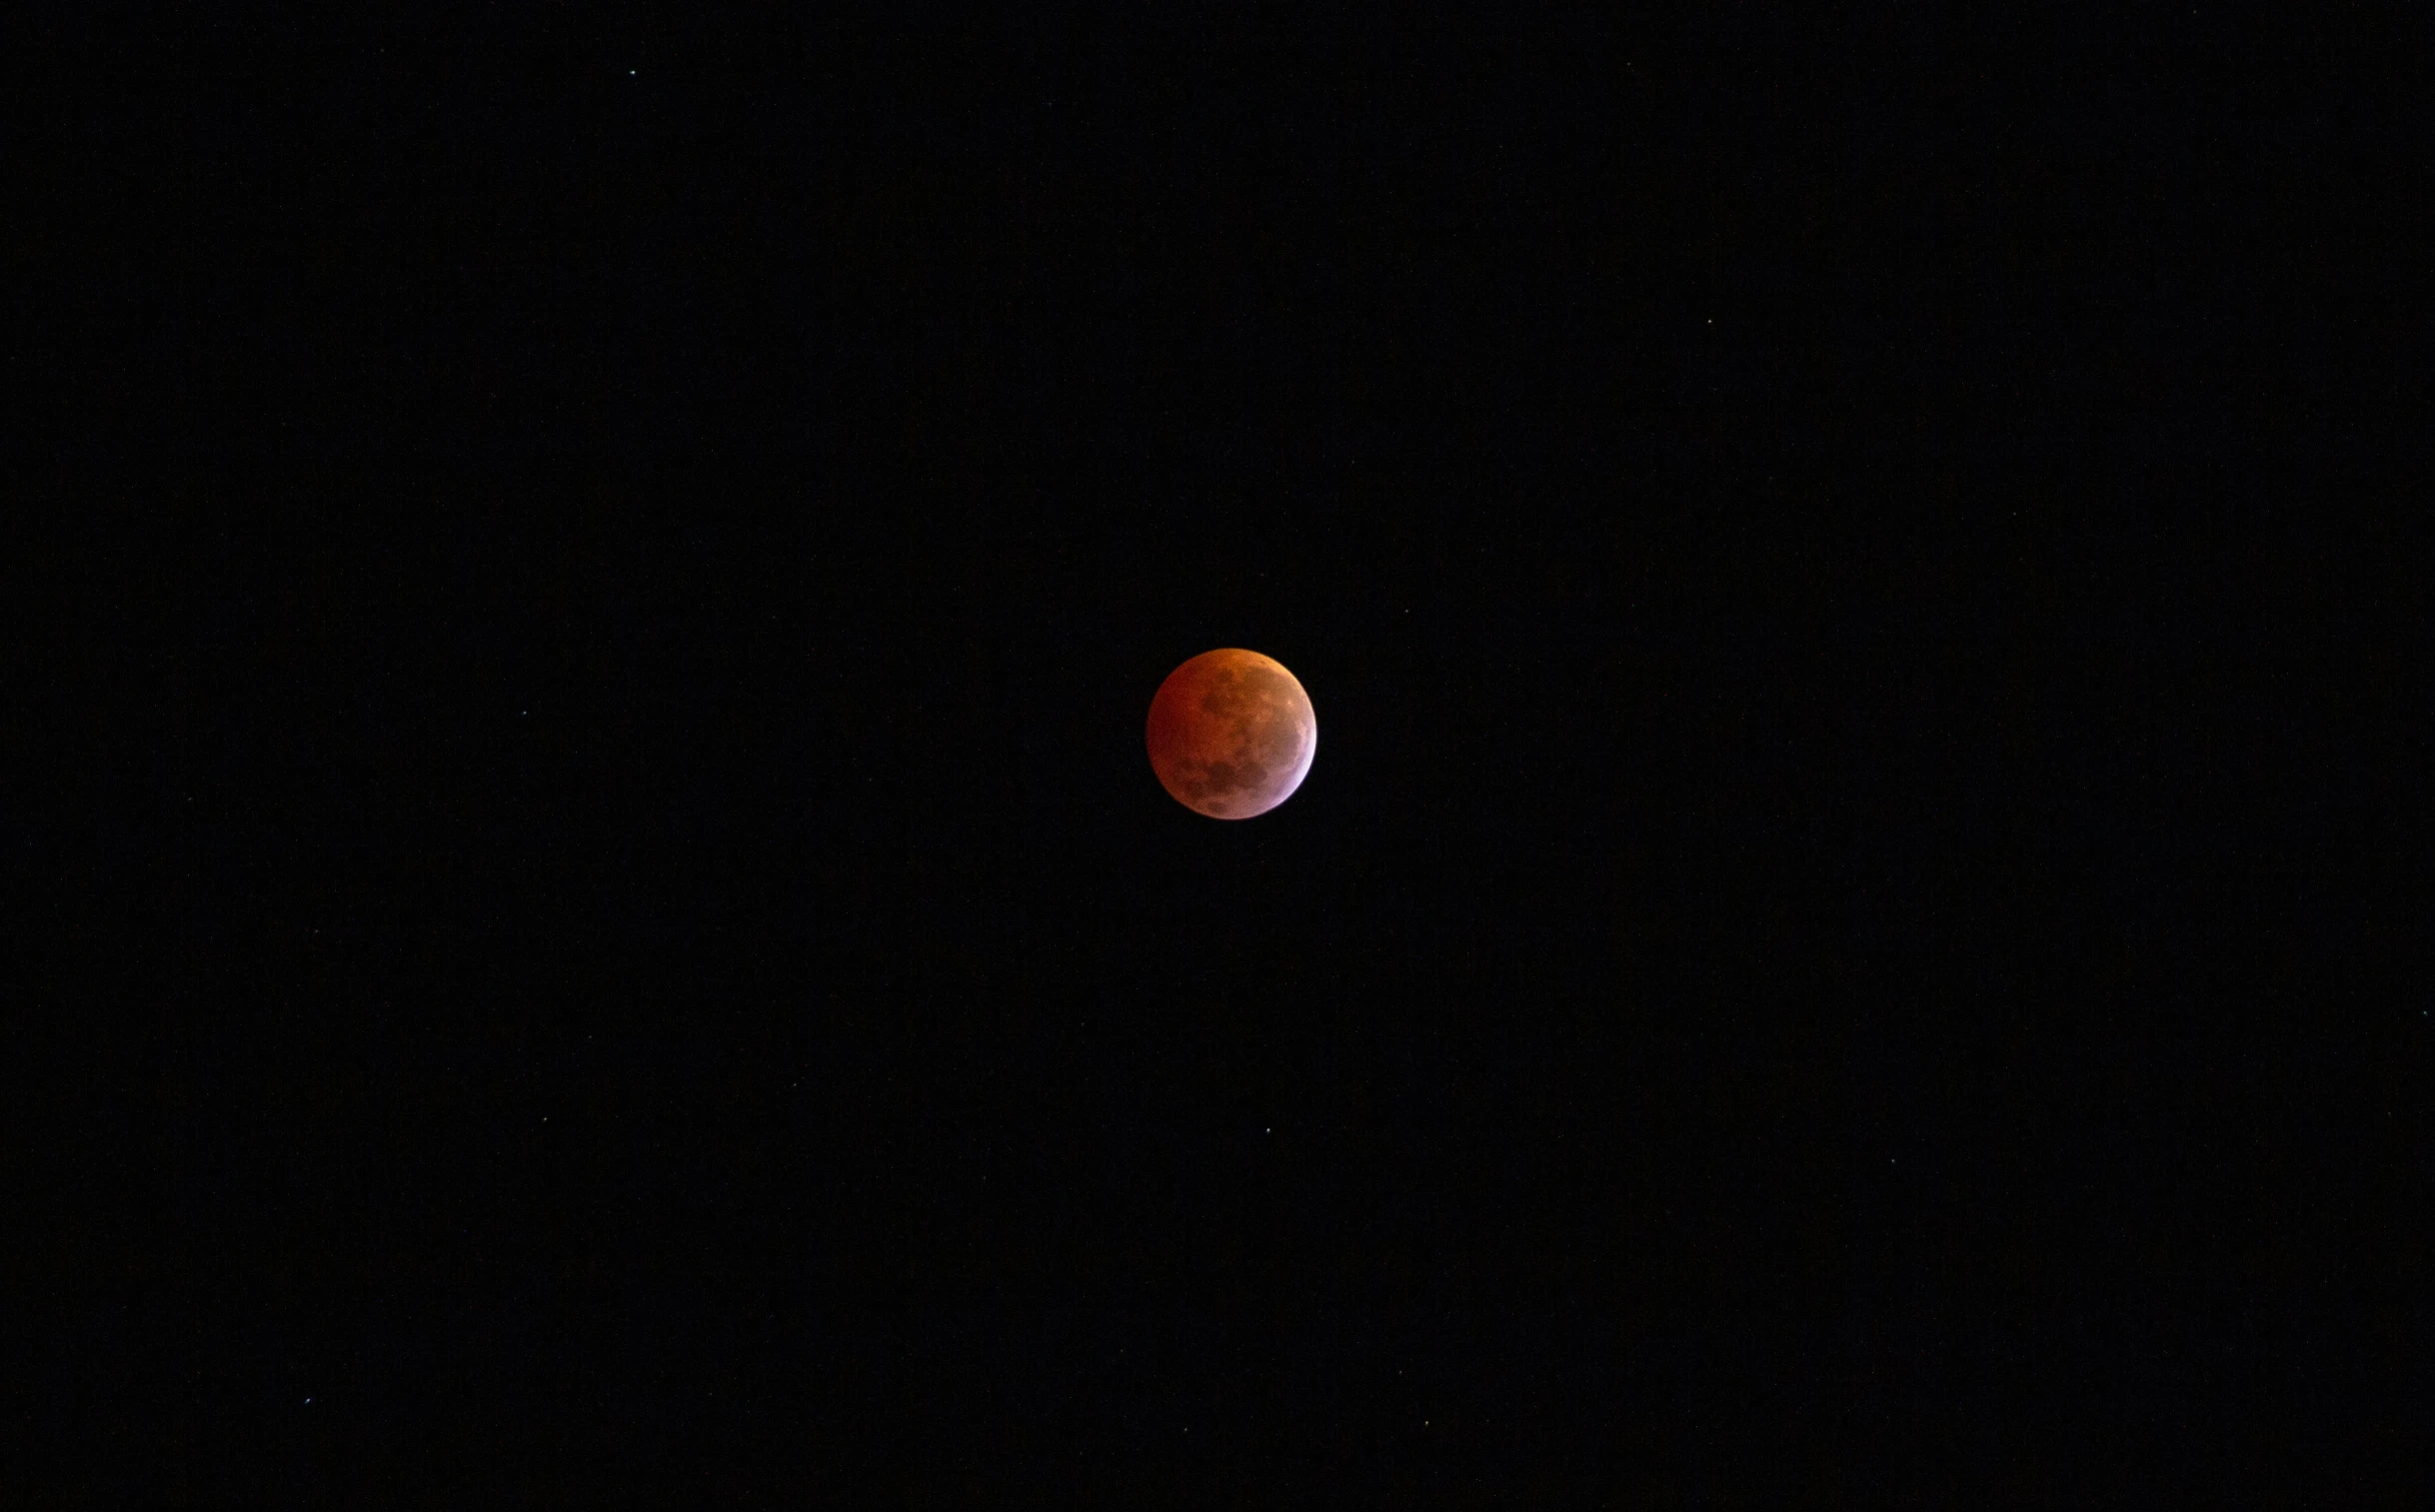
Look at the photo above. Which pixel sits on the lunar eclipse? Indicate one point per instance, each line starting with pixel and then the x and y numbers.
pixel 1231 733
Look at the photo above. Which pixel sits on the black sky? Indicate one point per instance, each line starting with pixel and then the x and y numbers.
pixel 1844 944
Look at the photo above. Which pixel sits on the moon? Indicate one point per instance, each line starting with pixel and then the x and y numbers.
pixel 1231 733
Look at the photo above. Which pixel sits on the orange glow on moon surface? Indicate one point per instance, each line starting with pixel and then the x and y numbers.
pixel 1231 733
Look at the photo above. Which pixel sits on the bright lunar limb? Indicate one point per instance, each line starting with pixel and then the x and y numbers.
pixel 1231 733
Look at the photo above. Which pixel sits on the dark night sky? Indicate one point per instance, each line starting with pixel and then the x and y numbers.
pixel 1845 944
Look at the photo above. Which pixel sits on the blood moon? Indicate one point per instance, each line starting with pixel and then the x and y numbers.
pixel 1231 733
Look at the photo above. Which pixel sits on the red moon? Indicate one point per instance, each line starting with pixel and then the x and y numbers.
pixel 1231 733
